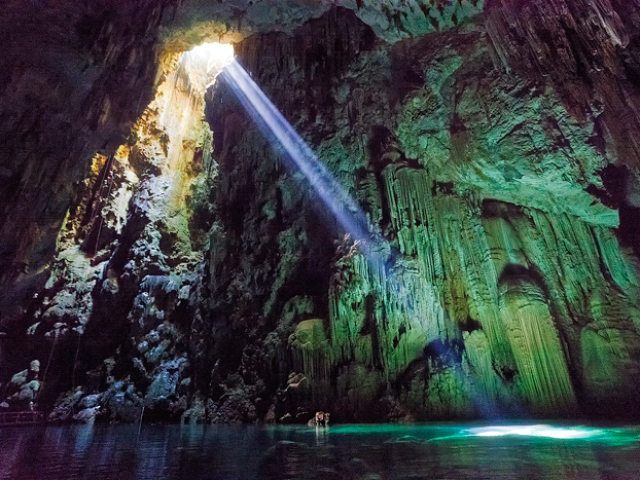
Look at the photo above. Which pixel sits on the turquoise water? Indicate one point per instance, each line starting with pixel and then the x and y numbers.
pixel 339 452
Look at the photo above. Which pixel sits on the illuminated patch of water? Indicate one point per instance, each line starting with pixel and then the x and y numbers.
pixel 537 431
pixel 443 432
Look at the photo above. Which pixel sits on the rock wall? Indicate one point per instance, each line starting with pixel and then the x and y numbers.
pixel 509 260
pixel 74 79
pixel 112 321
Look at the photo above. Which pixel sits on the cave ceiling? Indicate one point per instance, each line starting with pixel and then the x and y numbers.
pixel 197 21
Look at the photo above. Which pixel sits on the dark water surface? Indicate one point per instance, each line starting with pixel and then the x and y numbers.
pixel 339 452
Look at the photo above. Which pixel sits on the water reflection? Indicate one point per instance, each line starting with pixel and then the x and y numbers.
pixel 339 452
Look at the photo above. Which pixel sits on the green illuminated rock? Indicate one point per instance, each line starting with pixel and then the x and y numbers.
pixel 488 188
pixel 493 147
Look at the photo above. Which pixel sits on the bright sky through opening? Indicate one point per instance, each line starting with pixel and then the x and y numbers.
pixel 206 61
pixel 212 55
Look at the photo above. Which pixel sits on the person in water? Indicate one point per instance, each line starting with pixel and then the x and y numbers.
pixel 320 420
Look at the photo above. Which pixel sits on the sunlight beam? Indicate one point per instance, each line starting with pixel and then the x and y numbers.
pixel 272 123
pixel 347 212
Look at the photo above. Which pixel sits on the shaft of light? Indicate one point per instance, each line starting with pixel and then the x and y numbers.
pixel 275 126
pixel 345 209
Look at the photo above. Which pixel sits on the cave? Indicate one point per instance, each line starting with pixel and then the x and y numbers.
pixel 262 212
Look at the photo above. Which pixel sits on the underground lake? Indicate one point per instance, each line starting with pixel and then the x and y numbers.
pixel 437 451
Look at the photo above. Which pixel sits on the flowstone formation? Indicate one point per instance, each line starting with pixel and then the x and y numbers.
pixel 507 272
pixel 199 277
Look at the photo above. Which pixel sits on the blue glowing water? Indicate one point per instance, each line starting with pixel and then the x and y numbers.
pixel 339 452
